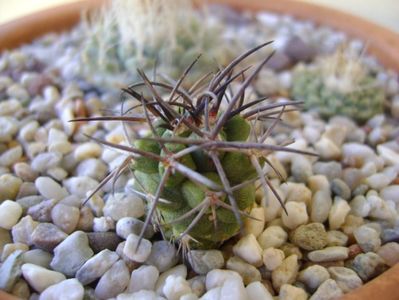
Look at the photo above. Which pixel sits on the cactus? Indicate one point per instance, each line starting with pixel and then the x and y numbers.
pixel 339 84
pixel 148 34
pixel 200 162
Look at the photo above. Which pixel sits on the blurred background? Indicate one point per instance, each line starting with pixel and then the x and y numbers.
pixel 383 12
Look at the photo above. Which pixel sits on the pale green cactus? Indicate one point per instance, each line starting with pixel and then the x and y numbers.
pixel 200 163
pixel 149 34
pixel 339 84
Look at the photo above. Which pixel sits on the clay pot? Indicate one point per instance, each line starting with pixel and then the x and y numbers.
pixel 382 43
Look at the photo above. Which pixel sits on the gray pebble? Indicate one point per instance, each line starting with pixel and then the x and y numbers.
pixel 301 169
pixel 103 240
pixel 297 50
pixel 163 256
pixel 71 254
pixel 114 281
pixel 22 231
pixel 38 257
pixel 80 185
pixel 47 236
pixel 336 238
pixel 346 278
pixel 45 161
pixel 329 254
pixel 128 225
pixel 328 290
pixel 340 188
pixel 203 261
pixel 313 276
pixel 10 271
pixel 42 211
pixel 29 201
pixel 367 238
pixel 5 238
pixel 247 271
pixel 368 265
pixel 27 189
pixel 93 168
pixel 96 266
pixel 331 169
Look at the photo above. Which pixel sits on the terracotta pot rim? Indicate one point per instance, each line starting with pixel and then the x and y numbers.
pixel 383 43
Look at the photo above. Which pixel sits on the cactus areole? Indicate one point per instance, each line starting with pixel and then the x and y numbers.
pixel 201 161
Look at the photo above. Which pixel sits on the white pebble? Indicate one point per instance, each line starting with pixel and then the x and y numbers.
pixel 273 236
pixel 272 258
pixel 27 132
pixel 40 278
pixel 297 215
pixel 249 250
pixel 289 292
pixel 143 278
pixel 50 189
pixel 367 238
pixel 139 254
pixel 339 211
pixel 80 185
pixel 8 127
pixel 179 270
pixel 255 224
pixel 122 205
pixel 378 181
pixel 103 224
pixel 70 289
pixel 257 291
pixel 11 156
pixel 217 277
pixel 65 217
pixel 321 205
pixel 87 150
pixel 175 287
pixel 10 212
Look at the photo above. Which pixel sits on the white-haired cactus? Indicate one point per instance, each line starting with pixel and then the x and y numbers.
pixel 200 162
pixel 149 34
pixel 339 84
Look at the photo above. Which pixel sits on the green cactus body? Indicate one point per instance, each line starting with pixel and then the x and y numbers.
pixel 199 166
pixel 353 92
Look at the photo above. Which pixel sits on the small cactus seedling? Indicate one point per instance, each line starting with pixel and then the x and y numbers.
pixel 200 163
pixel 131 34
pixel 339 84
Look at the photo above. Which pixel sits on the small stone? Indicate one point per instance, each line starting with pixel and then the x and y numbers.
pixel 378 181
pixel 143 278
pixel 21 289
pixel 256 223
pixel 272 258
pixel 10 271
pixel 203 261
pixel 368 265
pixel 11 156
pixel 327 149
pixel 233 289
pixel 367 238
pixel 197 284
pixel 340 189
pixel 71 254
pixel 273 236
pixel 65 217
pixel 58 142
pixel 5 238
pixel 10 212
pixel 27 189
pixel 175 287
pixel 360 207
pixel 389 253
pixel 301 169
pixel 321 204
pixel 96 266
pixel 346 278
pixel 40 278
pixel 128 225
pixel 9 187
pixel 297 215
pixel 249 250
pixel 328 290
pixel 37 257
pixel 79 186
pixel 390 156
pixel 310 237
pixel 87 150
pixel 44 161
pixel 217 277
pixel 25 171
pixel 139 254
pixel 257 291
pixel 163 256
pixel 289 292
pixel 93 168
pixel 57 173
pixel 103 240
pixel 319 183
pixel 313 277
pixel 298 50
pixel 47 236
pixel 86 218
pixel 390 193
pixel 50 189
pixel 70 289
pixel 8 128
pixel 179 270
pixel 12 247
pixel 339 211
pixel 42 211
pixel 22 231
pixel 248 272
pixel 122 205
pixel 286 272
pixel 356 155
pixel 298 192
pixel 329 254
pixel 331 169
pixel 336 238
